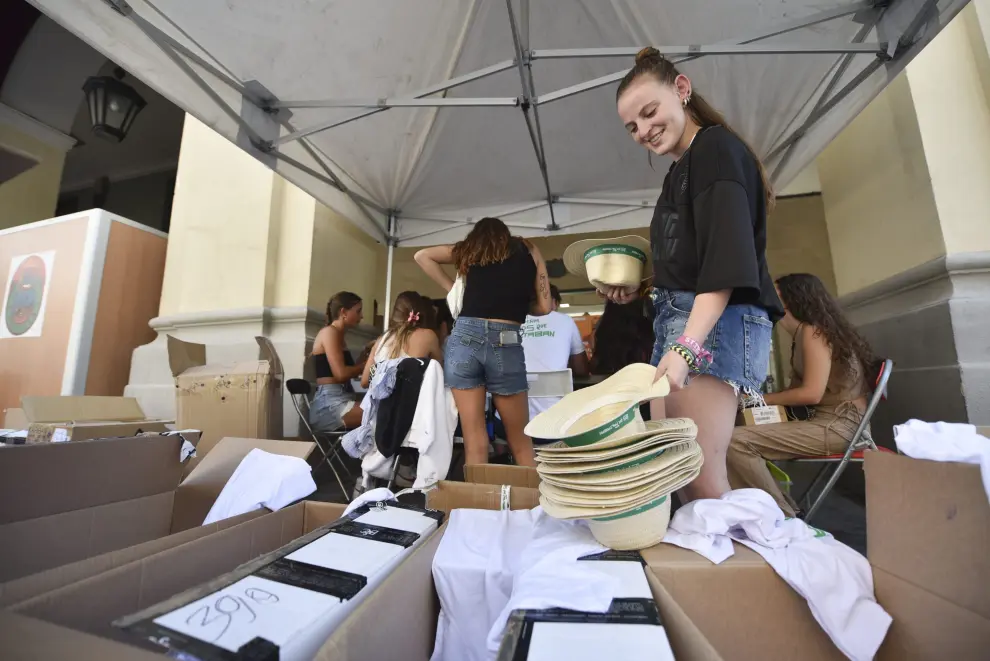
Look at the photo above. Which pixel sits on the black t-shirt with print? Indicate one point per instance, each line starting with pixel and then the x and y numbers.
pixel 709 229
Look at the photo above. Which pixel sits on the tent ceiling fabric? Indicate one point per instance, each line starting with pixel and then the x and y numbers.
pixel 435 162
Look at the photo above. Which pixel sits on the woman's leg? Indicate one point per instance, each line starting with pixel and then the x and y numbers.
pixel 712 404
pixel 352 418
pixel 752 446
pixel 514 411
pixel 471 407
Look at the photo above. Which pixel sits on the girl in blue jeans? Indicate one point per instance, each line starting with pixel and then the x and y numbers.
pixel 505 277
pixel 714 301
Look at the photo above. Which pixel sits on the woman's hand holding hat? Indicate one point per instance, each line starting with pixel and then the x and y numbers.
pixel 675 368
pixel 621 295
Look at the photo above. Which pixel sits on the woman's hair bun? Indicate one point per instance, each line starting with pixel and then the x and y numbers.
pixel 646 54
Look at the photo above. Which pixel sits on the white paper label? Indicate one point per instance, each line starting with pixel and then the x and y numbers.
pixel 60 435
pixel 364 557
pixel 765 415
pixel 578 641
pixel 399 519
pixel 250 607
pixel 186 451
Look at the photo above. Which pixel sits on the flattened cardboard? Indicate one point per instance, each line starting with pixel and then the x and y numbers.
pixel 81 409
pixel 516 476
pixel 59 432
pixel 69 418
pixel 66 502
pixel 741 606
pixel 452 495
pixel 242 400
pixel 28 639
pixel 92 604
pixel 928 522
pixel 15 419
pixel 928 531
pixel 46 479
pixel 24 588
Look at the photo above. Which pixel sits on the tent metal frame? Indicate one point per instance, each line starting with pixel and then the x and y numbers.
pixel 870 12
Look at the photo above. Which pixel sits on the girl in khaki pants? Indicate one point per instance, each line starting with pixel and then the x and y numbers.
pixel 828 381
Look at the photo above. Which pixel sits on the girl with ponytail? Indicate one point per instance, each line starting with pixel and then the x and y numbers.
pixel 714 301
pixel 409 335
pixel 333 406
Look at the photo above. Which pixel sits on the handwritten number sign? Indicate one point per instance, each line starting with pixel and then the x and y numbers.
pixel 250 607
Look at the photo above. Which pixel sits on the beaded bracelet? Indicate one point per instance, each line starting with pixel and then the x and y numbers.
pixel 695 362
pixel 688 355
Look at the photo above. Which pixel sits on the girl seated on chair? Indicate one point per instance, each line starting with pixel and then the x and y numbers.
pixel 333 407
pixel 409 335
pixel 832 376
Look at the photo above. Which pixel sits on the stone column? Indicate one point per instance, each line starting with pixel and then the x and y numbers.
pixel 248 254
pixel 907 204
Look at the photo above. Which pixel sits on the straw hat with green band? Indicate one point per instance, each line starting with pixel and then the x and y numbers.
pixel 600 412
pixel 623 261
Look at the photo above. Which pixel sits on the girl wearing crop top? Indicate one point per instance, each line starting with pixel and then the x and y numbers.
pixel 832 370
pixel 714 302
pixel 333 406
pixel 408 336
pixel 505 278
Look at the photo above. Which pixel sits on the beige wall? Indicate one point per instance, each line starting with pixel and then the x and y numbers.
pixel 345 258
pixel 218 248
pixel 797 239
pixel 949 87
pixel 33 194
pixel 243 237
pixel 907 181
pixel 879 205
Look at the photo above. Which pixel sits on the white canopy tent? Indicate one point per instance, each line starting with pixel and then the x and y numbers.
pixel 413 118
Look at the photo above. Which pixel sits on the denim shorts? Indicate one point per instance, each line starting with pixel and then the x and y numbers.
pixel 739 343
pixel 475 356
pixel 330 404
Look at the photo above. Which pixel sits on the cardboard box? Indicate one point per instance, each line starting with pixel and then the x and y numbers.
pixel 928 531
pixel 15 419
pixel 928 535
pixel 741 606
pixel 57 419
pixel 241 400
pixel 761 415
pixel 61 503
pixel 516 476
pixel 74 622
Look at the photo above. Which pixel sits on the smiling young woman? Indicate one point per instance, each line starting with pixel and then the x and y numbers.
pixel 714 301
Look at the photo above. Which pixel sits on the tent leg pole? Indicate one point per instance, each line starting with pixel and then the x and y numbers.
pixel 388 271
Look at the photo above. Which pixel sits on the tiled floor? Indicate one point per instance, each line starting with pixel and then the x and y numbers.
pixel 843 513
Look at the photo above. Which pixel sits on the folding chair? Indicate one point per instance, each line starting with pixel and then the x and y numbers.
pixel 301 389
pixel 853 454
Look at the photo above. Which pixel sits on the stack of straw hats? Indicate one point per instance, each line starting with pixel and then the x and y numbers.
pixel 624 261
pixel 606 465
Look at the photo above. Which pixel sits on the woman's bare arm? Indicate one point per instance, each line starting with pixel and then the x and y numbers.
pixel 541 305
pixel 430 259
pixel 335 356
pixel 366 372
pixel 817 368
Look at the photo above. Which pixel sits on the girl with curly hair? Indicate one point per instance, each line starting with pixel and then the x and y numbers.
pixel 505 277
pixel 833 372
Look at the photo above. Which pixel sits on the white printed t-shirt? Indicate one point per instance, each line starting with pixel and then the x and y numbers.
pixel 548 343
